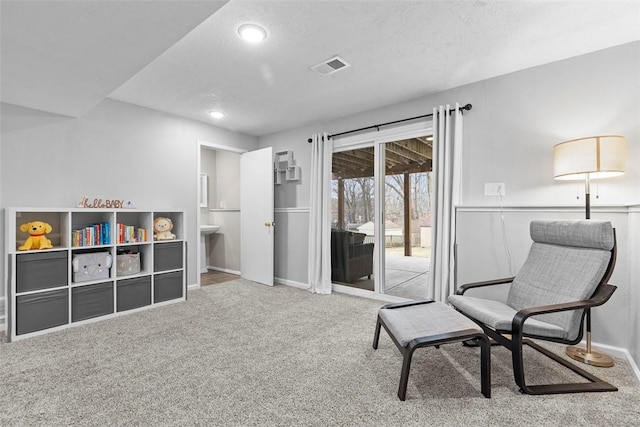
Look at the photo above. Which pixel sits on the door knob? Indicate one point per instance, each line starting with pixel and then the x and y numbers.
pixel 269 224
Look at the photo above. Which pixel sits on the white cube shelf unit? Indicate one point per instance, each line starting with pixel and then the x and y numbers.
pixel 47 291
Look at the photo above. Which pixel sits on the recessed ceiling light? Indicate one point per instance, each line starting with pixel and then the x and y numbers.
pixel 252 33
pixel 216 114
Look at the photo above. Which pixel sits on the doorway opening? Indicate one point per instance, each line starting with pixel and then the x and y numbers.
pixel 381 215
pixel 219 206
pixel 235 213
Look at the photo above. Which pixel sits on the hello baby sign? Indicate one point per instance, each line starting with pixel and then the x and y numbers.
pixel 86 202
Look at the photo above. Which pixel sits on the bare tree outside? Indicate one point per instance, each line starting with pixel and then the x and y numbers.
pixel 358 198
pixel 353 193
pixel 420 185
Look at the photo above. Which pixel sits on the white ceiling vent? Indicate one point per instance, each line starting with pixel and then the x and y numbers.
pixel 330 66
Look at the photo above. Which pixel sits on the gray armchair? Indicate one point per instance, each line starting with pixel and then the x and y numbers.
pixel 565 274
pixel 351 258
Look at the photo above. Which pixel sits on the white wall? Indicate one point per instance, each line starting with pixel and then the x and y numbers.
pixel 227 180
pixel 508 137
pixel 116 150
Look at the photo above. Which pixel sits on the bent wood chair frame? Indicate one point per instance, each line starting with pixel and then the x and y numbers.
pixel 515 339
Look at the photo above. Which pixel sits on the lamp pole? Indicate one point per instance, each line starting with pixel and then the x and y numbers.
pixel 604 156
pixel 586 355
pixel 587 196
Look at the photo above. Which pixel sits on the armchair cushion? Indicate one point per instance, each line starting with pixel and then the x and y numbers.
pixel 585 234
pixel 499 316
pixel 566 262
pixel 553 275
pixel 414 321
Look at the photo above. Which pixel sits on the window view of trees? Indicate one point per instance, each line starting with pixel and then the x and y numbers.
pixel 353 192
pixel 359 207
pixel 358 198
pixel 358 201
pixel 420 189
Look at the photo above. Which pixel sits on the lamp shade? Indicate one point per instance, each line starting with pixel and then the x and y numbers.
pixel 598 156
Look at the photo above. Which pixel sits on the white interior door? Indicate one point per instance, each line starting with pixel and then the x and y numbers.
pixel 256 216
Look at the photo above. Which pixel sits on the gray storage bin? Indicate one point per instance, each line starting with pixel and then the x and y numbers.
pixel 167 286
pixel 43 310
pixel 41 271
pixel 91 266
pixel 167 256
pixel 91 301
pixel 133 293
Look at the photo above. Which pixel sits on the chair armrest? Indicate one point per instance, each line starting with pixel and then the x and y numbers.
pixel 406 304
pixel 464 288
pixel 600 297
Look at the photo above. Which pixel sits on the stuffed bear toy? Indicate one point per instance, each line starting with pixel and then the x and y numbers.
pixel 36 239
pixel 162 229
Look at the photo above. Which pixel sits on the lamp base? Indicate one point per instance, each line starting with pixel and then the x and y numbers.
pixel 592 358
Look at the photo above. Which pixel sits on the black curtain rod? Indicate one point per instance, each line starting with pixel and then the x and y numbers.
pixel 466 107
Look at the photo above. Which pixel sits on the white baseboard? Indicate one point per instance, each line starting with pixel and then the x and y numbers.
pixel 224 270
pixel 620 353
pixel 349 290
pixel 634 367
pixel 291 283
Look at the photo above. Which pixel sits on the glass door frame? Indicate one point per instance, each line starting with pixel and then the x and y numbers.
pixel 377 140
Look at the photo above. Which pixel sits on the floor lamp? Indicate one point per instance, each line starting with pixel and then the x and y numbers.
pixel 589 158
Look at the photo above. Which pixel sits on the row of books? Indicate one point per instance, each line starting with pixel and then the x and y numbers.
pixel 100 234
pixel 93 235
pixel 131 234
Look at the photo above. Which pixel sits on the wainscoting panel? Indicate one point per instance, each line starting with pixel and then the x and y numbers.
pixel 292 244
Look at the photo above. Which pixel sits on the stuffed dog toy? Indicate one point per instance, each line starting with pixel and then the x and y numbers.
pixel 36 239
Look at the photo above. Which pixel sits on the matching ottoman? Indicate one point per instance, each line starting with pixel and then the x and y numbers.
pixel 416 324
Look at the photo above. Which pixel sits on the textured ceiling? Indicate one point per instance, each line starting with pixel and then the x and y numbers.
pixel 66 56
pixel 398 50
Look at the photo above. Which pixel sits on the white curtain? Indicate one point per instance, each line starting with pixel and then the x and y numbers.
pixel 447 169
pixel 320 215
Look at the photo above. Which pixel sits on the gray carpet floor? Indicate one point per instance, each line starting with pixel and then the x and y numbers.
pixel 241 354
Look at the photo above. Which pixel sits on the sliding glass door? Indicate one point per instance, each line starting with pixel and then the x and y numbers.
pixel 381 212
pixel 407 217
pixel 353 209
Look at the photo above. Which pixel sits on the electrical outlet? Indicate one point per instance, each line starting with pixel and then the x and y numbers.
pixel 494 189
